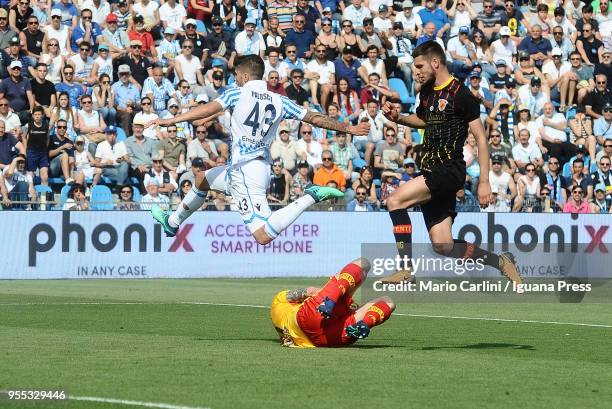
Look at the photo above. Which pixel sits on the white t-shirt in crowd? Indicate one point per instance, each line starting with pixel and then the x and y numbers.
pixel 324 70
pixel 189 68
pixel 550 68
pixel 556 118
pixel 173 16
pixel 503 51
pixel 105 151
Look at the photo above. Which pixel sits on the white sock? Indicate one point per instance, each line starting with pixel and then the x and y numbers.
pixel 193 200
pixel 283 218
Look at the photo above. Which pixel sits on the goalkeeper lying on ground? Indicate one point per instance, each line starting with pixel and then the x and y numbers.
pixel 314 317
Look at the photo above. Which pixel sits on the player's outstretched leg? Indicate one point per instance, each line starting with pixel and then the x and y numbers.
pixel 370 315
pixel 283 218
pixel 444 244
pixel 344 283
pixel 192 201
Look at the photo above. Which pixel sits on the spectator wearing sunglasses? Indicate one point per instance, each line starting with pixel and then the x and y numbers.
pixel 76 198
pixel 576 203
pixel 360 203
pixel 329 172
pixel 18 91
pixel 126 199
pixel 19 15
pixel 85 32
pixel 6 32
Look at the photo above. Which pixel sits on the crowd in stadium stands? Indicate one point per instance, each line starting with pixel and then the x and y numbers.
pixel 81 80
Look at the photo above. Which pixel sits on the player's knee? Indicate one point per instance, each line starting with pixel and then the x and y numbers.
pixel 393 203
pixel 389 302
pixel 443 249
pixel 364 264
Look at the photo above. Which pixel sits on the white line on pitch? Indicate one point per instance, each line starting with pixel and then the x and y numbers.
pixel 133 403
pixel 450 317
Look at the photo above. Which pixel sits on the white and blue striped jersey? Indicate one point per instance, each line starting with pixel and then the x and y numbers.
pixel 256 114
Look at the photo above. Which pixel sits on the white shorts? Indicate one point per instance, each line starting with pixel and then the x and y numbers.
pixel 247 183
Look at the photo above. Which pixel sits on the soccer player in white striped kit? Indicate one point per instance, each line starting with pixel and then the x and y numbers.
pixel 256 114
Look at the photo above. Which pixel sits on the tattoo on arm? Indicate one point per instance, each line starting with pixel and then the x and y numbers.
pixel 323 121
pixel 298 295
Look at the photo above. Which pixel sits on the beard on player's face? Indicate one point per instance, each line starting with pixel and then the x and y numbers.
pixel 423 70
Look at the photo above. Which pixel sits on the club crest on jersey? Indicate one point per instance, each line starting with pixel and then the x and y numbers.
pixel 442 104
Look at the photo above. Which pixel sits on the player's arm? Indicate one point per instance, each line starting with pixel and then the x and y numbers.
pixel 300 294
pixel 485 197
pixel 199 112
pixel 393 114
pixel 323 121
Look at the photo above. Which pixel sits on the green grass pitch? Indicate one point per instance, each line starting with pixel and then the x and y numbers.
pixel 144 341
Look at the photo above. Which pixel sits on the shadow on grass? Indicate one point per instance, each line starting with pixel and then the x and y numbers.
pixel 238 339
pixel 484 345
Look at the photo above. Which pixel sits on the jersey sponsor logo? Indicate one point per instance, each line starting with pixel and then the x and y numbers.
pixel 402 228
pixel 442 104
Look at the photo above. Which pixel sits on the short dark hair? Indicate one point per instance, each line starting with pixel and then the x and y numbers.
pixel 559 11
pixel 296 71
pixel 371 47
pixel 430 49
pixel 38 108
pixel 253 64
pixel 579 160
pixel 40 64
pixel 587 9
pixel 542 7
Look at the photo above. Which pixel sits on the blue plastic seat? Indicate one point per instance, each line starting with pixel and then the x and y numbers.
pixel 64 195
pixel 101 198
pixel 200 27
pixel 398 85
pixel 358 163
pixel 121 136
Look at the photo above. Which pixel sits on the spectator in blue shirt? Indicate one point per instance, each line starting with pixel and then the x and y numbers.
pixel 73 89
pixel 86 31
pixel 127 97
pixel 435 15
pixel 18 91
pixel 303 39
pixel 539 48
pixel 69 12
pixel 350 68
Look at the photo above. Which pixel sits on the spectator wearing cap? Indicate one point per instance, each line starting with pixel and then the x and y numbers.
pixel 382 22
pixel 500 80
pixel 168 49
pixel 117 40
pixel 140 65
pixel 69 13
pixel 577 83
pixel 273 83
pixel 283 10
pixel 141 40
pixel 184 129
pixel 127 95
pixel 149 11
pixel 18 182
pixel 413 26
pixel 249 41
pixel 112 157
pixel 356 13
pixel 86 31
pixel 602 127
pixel 189 68
pixel 460 14
pixel 83 65
pixel 601 203
pixel 19 15
pixel 431 13
pixel 18 91
pixel 153 196
pixel 32 40
pixel 43 89
pixel 201 147
pixel 504 49
pixel 159 89
pixel 300 180
pixel 482 94
pixel 605 67
pixel 216 86
pixel 124 15
pixel 410 170
pixel 280 182
pixel 596 99
pixel 554 70
pixel 285 148
pixel 15 53
pixel 302 38
pixel 173 15
pixel 350 68
pixel 231 15
pixel 100 9
pixel 212 41
pixel 197 166
pixel 534 96
pixel 173 152
pixel 140 151
pixel 537 47
pixel 589 46
pixel 461 52
pixel 6 32
pixel 311 14
pixel 103 64
pixel 329 172
pixel 57 35
pixel 551 127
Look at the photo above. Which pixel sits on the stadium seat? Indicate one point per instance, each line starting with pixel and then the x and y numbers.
pixel 64 195
pixel 136 196
pixel 567 170
pixel 121 136
pixel 417 138
pixel 398 85
pixel 200 27
pixel 101 198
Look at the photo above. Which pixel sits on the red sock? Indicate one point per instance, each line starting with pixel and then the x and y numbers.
pixel 350 277
pixel 377 314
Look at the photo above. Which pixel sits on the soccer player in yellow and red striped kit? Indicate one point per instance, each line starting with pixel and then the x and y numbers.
pixel 326 317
